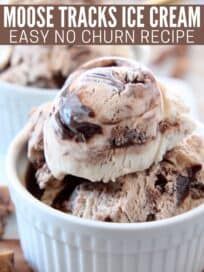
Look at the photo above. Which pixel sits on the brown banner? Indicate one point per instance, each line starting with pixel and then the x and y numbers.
pixel 102 24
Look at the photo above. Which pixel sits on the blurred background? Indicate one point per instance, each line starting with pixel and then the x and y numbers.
pixel 185 63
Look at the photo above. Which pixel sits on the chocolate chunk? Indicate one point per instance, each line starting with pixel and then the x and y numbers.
pixel 72 110
pixel 193 170
pixel 108 219
pixel 12 248
pixel 136 136
pixel 161 183
pixel 62 130
pixel 151 217
pixel 6 261
pixel 182 188
pixel 152 195
pixel 72 116
pixel 70 183
pixel 6 207
pixel 137 77
pixel 31 183
pixel 164 126
pixel 125 137
pixel 197 190
pixel 5 200
pixel 198 185
pixel 87 130
pixel 59 80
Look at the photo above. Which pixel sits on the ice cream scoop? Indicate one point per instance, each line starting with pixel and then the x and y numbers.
pixel 172 187
pixel 112 118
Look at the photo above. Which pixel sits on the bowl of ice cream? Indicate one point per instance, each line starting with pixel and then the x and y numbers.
pixel 31 75
pixel 109 176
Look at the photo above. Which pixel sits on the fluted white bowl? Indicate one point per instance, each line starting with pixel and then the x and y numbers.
pixel 53 241
pixel 16 102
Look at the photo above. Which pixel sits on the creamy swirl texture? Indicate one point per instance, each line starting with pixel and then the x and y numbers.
pixel 111 118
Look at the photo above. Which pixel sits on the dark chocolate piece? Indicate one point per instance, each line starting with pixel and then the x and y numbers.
pixel 161 183
pixel 6 261
pixel 125 137
pixel 193 170
pixel 72 116
pixel 197 190
pixel 165 125
pixel 108 219
pixel 12 247
pixel 182 188
pixel 31 183
pixel 151 217
pixel 70 183
pixel 6 208
pixel 59 80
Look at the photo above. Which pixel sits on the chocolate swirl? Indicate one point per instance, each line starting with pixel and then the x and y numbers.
pixel 105 91
pixel 71 118
pixel 105 122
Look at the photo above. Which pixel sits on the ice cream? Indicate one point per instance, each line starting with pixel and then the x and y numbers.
pixel 115 145
pixel 112 118
pixel 171 187
pixel 49 66
pixel 35 134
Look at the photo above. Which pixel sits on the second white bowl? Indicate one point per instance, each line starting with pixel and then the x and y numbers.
pixel 16 102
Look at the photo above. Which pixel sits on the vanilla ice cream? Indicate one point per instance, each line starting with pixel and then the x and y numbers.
pixel 112 118
pixel 173 186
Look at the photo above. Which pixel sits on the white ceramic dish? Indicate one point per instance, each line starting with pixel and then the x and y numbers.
pixel 55 242
pixel 16 102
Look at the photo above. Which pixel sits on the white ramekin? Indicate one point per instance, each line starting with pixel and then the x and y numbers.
pixel 16 102
pixel 56 242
